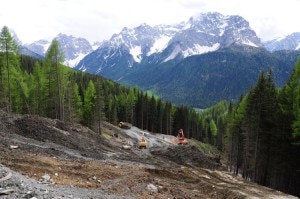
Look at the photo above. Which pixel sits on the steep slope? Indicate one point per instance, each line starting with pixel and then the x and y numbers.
pixel 203 80
pixel 45 158
pixel 289 42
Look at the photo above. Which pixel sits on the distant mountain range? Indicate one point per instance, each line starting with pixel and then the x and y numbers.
pixel 155 45
pixel 74 49
pixel 290 42
pixel 198 62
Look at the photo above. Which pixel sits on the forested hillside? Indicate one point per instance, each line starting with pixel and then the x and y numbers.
pixel 50 89
pixel 203 80
pixel 259 135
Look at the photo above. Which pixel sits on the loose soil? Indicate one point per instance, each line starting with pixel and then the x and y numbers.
pixel 53 159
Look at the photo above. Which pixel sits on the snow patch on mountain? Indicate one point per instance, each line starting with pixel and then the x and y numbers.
pixel 117 40
pixel 198 49
pixel 83 68
pixel 159 45
pixel 223 28
pixel 136 53
pixel 249 43
pixel 74 49
pixel 177 50
pixel 96 45
pixel 73 62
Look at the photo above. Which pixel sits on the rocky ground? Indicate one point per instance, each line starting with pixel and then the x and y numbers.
pixel 44 158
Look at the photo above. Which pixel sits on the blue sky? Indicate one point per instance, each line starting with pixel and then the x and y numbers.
pixel 97 20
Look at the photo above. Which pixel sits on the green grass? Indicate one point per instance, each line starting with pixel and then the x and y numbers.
pixel 205 148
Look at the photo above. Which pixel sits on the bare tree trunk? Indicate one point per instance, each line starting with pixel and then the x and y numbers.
pixel 255 157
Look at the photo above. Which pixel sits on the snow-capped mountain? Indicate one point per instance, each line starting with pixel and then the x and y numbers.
pixel 145 44
pixel 74 49
pixel 289 42
pixel 22 49
pixel 40 46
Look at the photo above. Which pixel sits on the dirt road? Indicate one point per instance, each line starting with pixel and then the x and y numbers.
pixel 52 159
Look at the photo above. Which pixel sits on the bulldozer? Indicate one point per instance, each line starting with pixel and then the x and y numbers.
pixel 124 125
pixel 143 143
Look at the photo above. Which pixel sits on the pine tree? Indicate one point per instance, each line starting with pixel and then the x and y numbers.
pixel 89 105
pixel 37 90
pixel 99 107
pixel 159 111
pixel 73 101
pixel 287 177
pixel 10 58
pixel 152 115
pixel 259 129
pixel 294 84
pixel 213 132
pixel 19 91
pixel 53 61
pixel 168 119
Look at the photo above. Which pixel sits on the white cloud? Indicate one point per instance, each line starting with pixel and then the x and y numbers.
pixel 97 20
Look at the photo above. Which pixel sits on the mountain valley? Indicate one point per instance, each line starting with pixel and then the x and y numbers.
pixel 198 62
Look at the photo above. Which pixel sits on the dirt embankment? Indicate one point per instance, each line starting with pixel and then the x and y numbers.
pixel 53 159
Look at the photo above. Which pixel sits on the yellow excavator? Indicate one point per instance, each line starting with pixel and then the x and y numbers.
pixel 143 143
pixel 125 125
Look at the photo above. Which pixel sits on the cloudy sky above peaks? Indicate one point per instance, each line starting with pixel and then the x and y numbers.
pixel 97 20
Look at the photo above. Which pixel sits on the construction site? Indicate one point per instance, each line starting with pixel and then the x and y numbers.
pixel 47 158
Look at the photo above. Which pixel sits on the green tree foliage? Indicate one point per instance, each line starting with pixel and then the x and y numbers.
pixel 259 127
pixel 73 102
pixel 9 59
pixel 38 90
pixel 19 91
pixel 55 80
pixel 213 131
pixel 89 104
pixel 289 148
pixel 259 134
pixel 292 90
pixel 99 107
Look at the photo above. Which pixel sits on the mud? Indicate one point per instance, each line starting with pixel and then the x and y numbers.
pixel 53 159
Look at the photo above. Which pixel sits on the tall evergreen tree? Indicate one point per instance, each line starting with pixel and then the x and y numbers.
pixel 259 130
pixel 89 105
pixel 37 90
pixel 9 52
pixel 99 107
pixel 168 119
pixel 287 175
pixel 152 115
pixel 53 62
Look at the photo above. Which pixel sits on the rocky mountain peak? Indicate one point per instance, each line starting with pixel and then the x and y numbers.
pixel 201 34
pixel 74 48
pixel 289 42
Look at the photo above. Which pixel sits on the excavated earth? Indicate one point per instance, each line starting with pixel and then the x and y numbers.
pixel 46 158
